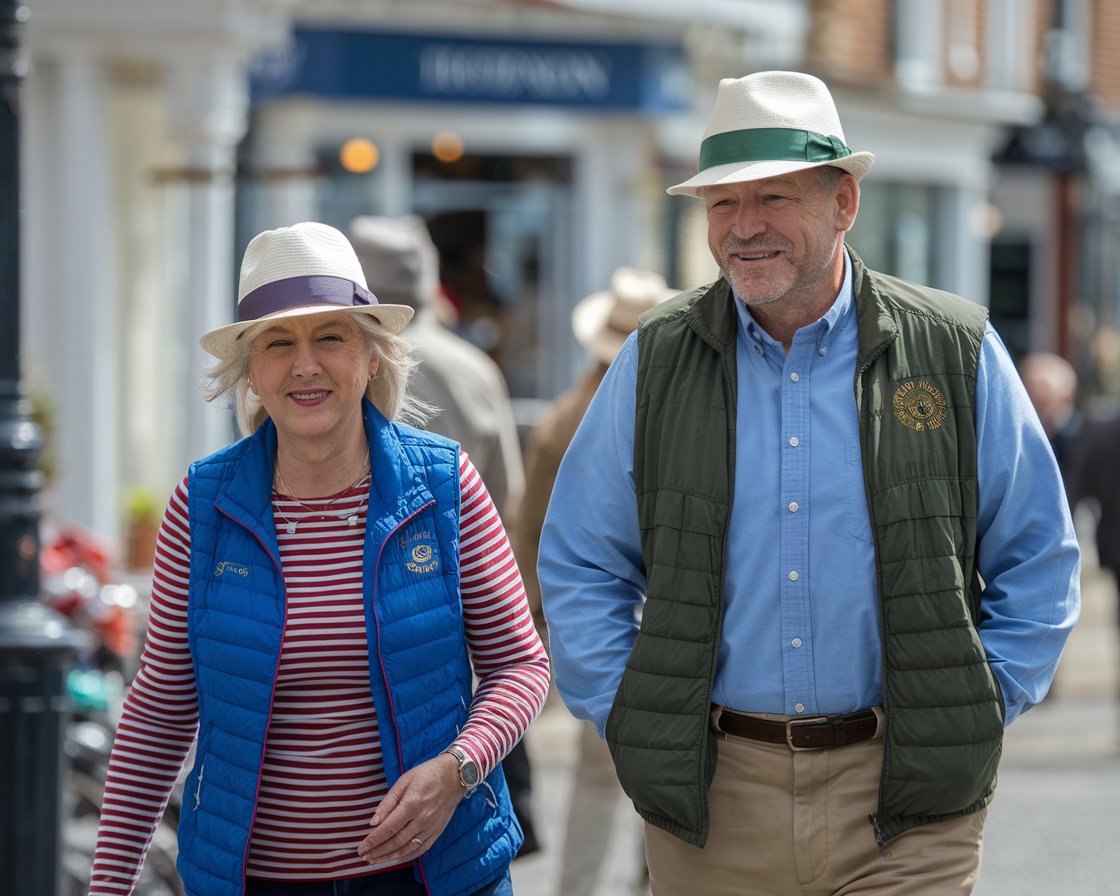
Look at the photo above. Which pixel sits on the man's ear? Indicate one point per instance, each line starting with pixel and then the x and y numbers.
pixel 847 202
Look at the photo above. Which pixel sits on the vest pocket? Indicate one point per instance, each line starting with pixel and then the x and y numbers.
pixel 855 494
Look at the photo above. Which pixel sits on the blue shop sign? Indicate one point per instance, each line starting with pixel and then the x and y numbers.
pixel 640 77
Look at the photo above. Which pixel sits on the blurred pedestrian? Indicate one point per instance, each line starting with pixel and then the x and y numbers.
pixel 601 323
pixel 466 394
pixel 325 592
pixel 1051 383
pixel 463 386
pixel 808 552
pixel 1096 481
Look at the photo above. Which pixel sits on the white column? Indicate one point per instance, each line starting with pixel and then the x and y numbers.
pixel 82 299
pixel 282 178
pixel 207 106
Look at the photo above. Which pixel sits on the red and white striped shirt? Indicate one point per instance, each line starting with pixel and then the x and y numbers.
pixel 323 776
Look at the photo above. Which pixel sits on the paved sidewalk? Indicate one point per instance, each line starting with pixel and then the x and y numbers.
pixel 1052 830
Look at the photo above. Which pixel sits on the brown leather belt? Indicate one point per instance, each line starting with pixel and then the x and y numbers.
pixel 817 733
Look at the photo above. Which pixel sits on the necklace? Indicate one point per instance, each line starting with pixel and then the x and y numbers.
pixel 351 517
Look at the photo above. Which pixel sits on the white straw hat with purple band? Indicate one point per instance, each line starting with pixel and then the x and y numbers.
pixel 307 268
pixel 768 124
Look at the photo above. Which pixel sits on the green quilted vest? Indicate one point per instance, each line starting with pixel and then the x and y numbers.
pixel 916 377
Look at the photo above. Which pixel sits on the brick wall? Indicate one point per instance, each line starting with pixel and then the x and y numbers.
pixel 1106 58
pixel 962 58
pixel 850 40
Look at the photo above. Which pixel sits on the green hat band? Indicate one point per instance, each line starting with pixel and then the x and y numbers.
pixel 770 144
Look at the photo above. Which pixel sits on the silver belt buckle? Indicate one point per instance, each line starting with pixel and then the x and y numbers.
pixel 803 723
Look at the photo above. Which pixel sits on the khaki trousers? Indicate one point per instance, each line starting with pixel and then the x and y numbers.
pixel 786 823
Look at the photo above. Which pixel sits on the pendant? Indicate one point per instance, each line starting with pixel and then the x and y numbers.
pixel 352 520
pixel 291 528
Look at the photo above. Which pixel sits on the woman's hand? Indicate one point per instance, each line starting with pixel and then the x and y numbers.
pixel 414 812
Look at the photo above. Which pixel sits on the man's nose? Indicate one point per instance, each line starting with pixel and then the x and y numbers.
pixel 748 221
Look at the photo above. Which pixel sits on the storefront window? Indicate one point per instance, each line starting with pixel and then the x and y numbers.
pixel 895 231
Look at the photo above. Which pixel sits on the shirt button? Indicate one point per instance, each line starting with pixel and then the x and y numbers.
pixel 793 575
pixel 757 349
pixel 796 642
pixel 794 441
pixel 800 707
pixel 794 377
pixel 822 351
pixel 793 507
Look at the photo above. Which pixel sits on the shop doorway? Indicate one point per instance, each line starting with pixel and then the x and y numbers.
pixel 504 228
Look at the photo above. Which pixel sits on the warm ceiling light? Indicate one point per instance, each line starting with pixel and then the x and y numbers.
pixel 447 146
pixel 359 155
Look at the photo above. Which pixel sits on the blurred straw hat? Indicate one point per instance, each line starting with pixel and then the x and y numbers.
pixel 603 320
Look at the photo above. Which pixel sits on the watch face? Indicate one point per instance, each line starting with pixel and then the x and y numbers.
pixel 468 772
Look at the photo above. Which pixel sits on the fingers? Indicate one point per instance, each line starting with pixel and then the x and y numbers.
pixel 411 816
pixel 404 845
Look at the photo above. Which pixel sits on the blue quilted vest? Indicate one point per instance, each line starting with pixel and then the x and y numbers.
pixel 419 671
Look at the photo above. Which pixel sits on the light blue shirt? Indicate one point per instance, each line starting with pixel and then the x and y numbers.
pixel 801 624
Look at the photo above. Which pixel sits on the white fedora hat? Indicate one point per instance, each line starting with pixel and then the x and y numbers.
pixel 603 320
pixel 307 268
pixel 771 123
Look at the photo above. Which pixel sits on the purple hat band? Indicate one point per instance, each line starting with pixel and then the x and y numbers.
pixel 297 292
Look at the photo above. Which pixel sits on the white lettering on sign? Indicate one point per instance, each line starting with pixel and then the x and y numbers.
pixel 452 70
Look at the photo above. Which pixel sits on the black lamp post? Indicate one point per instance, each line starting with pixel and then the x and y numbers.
pixel 36 644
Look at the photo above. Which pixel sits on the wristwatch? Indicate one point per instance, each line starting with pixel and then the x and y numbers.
pixel 468 771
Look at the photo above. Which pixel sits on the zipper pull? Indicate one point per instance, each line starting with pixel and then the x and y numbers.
pixel 198 787
pixel 880 840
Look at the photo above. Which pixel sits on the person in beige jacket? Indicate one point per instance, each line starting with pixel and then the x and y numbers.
pixel 462 384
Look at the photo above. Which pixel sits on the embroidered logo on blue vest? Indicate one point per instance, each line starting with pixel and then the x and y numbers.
pixel 920 405
pixel 420 551
pixel 222 567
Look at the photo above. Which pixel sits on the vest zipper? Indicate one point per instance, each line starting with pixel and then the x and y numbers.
pixel 381 664
pixel 874 817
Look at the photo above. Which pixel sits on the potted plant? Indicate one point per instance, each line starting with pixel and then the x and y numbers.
pixel 143 513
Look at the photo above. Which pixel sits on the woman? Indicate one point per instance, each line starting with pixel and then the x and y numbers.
pixel 323 592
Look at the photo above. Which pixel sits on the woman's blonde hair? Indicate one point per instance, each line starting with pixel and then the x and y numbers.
pixel 387 391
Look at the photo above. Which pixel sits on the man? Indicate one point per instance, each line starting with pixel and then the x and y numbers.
pixel 466 391
pixel 1051 383
pixel 808 552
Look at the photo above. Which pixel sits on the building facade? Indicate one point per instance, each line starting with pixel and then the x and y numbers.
pixel 537 138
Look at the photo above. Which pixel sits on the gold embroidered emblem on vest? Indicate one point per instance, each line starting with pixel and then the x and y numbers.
pixel 422 559
pixel 920 405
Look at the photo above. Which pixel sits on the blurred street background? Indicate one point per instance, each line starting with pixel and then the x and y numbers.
pixel 144 142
